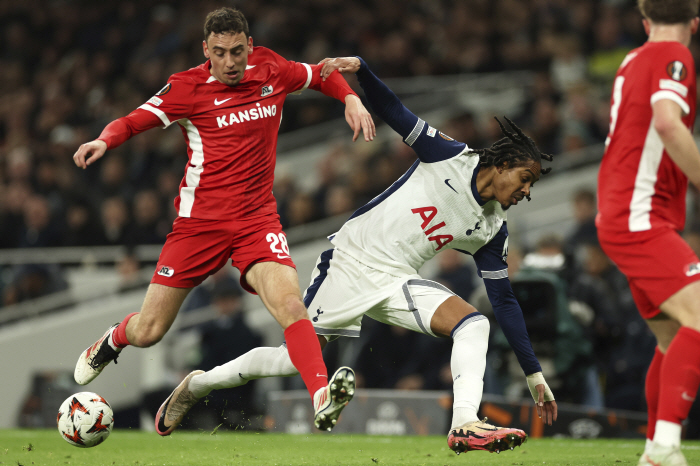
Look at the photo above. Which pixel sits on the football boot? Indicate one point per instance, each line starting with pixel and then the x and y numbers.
pixel 658 455
pixel 95 358
pixel 330 400
pixel 478 435
pixel 174 408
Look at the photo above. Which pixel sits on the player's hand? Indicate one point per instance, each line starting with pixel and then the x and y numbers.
pixel 359 118
pixel 546 410
pixel 89 152
pixel 343 65
pixel 543 396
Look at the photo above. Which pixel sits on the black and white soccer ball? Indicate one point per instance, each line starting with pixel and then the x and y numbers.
pixel 85 419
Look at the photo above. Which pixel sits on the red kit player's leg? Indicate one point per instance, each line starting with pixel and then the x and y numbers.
pixel 652 387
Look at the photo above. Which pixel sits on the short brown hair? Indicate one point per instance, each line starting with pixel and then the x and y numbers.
pixel 669 11
pixel 225 21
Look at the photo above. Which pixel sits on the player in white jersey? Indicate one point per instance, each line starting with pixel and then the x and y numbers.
pixel 452 197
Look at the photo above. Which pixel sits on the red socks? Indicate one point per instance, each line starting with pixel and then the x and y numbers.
pixel 680 373
pixel 305 353
pixel 651 390
pixel 119 333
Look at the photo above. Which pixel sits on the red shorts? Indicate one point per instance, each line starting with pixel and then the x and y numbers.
pixel 197 248
pixel 657 263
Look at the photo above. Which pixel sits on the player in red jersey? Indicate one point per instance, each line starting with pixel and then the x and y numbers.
pixel 650 155
pixel 229 110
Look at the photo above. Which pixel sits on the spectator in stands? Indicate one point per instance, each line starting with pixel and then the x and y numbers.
pixel 584 231
pixel 115 221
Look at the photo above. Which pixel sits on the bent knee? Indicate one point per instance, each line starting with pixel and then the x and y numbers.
pixel 475 326
pixel 148 335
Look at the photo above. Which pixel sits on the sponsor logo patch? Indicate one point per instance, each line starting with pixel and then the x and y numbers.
pixel 445 137
pixel 677 70
pixel 431 131
pixel 674 86
pixel 155 101
pixel 165 89
pixel 166 271
pixel 266 90
pixel 692 269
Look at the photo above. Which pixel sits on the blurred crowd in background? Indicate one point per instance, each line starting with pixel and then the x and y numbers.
pixel 71 67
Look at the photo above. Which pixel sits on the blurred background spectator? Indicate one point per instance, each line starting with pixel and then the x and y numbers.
pixel 71 67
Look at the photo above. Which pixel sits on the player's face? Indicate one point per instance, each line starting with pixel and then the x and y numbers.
pixel 512 185
pixel 229 56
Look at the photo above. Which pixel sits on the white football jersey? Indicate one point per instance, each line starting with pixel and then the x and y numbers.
pixel 433 206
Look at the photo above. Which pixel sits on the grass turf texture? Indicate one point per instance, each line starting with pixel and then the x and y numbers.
pixel 126 447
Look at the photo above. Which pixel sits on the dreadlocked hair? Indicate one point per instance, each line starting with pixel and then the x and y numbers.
pixel 515 148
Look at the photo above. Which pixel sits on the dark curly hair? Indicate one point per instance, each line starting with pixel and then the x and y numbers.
pixel 225 21
pixel 515 148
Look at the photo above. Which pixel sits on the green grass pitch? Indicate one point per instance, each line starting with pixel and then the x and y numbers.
pixel 133 448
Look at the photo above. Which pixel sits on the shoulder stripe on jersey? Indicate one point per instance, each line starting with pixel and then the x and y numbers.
pixel 392 189
pixel 495 274
pixel 420 124
pixel 159 113
pixel 193 174
pixel 670 95
pixel 647 174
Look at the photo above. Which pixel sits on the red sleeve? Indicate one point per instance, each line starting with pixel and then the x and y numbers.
pixel 334 86
pixel 118 131
pixel 672 74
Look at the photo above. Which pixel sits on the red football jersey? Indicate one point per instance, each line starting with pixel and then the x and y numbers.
pixel 231 133
pixel 639 187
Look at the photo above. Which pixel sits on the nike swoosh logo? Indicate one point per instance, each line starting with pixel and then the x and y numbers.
pixel 320 375
pixel 447 182
pixel 249 67
pixel 280 256
pixel 217 102
pixel 687 397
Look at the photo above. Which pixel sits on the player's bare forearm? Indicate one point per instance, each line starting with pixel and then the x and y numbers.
pixel 677 139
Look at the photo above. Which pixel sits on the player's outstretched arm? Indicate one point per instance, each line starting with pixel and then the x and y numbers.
pixel 114 135
pixel 382 100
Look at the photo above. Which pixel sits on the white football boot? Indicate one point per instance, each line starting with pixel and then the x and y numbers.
pixel 95 358
pixel 174 408
pixel 330 400
pixel 659 455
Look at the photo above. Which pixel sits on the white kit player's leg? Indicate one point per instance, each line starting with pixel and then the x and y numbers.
pixel 255 364
pixel 468 363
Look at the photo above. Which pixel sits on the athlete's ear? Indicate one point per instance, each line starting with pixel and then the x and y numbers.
pixel 694 25
pixel 250 45
pixel 205 49
pixel 647 26
pixel 504 166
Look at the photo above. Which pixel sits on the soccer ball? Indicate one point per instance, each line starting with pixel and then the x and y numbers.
pixel 85 419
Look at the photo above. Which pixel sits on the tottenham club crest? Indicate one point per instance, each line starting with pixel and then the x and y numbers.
pixel 677 70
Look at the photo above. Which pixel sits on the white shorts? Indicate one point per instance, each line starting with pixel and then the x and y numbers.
pixel 342 290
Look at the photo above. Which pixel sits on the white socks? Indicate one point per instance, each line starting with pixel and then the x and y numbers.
pixel 667 434
pixel 255 364
pixel 468 362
